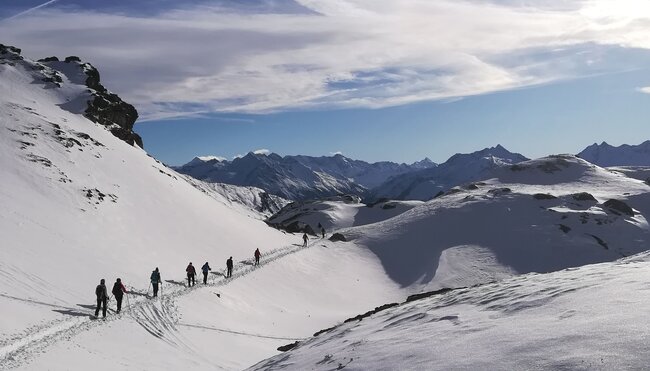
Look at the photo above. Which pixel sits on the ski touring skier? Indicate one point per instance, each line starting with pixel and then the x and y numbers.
pixel 205 268
pixel 322 231
pixel 155 280
pixel 304 240
pixel 229 266
pixel 257 255
pixel 191 274
pixel 102 298
pixel 118 293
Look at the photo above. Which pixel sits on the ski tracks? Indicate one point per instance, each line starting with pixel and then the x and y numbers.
pixel 158 317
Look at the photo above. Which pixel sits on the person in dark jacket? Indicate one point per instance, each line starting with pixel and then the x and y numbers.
pixel 191 274
pixel 229 266
pixel 257 255
pixel 205 268
pixel 102 297
pixel 155 280
pixel 304 240
pixel 118 293
pixel 322 231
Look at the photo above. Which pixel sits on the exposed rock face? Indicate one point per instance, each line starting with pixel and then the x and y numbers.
pixel 337 237
pixel 104 107
pixel 109 109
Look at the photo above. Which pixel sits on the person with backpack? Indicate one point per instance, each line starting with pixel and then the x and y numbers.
pixel 155 280
pixel 102 298
pixel 229 266
pixel 191 273
pixel 257 255
pixel 118 293
pixel 205 268
pixel 304 240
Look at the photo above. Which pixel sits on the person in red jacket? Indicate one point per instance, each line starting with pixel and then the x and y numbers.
pixel 191 274
pixel 257 256
pixel 118 293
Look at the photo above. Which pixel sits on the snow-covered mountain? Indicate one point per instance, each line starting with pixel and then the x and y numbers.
pixel 299 177
pixel 460 168
pixel 79 202
pixel 624 155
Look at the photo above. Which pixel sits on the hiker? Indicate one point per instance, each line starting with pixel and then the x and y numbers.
pixel 155 280
pixel 322 231
pixel 257 256
pixel 205 268
pixel 191 273
pixel 304 240
pixel 102 298
pixel 229 266
pixel 118 293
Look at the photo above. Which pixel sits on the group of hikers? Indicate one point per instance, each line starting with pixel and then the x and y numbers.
pixel 156 281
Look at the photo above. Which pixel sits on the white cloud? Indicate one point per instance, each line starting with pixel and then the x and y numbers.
pixel 645 90
pixel 348 53
pixel 262 151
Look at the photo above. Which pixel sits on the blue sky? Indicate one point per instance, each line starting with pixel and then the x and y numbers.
pixel 373 79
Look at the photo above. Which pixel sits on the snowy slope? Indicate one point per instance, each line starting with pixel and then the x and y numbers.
pixel 587 318
pixel 335 213
pixel 508 224
pixel 459 169
pixel 624 155
pixel 298 177
pixel 78 204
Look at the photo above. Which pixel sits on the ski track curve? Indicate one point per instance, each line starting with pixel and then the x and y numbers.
pixel 157 317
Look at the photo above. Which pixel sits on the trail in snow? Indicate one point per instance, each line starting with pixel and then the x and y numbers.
pixel 157 317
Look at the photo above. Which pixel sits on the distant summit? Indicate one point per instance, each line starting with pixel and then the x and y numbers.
pixel 299 177
pixel 460 168
pixel 625 155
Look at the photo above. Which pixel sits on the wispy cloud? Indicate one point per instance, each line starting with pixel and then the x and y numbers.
pixel 32 9
pixel 644 90
pixel 342 53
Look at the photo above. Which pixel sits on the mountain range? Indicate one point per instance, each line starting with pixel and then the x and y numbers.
pixel 299 177
pixel 528 266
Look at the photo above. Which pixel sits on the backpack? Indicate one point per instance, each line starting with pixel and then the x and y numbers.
pixel 99 291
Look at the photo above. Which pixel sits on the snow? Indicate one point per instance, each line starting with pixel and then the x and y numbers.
pixel 78 205
pixel 587 318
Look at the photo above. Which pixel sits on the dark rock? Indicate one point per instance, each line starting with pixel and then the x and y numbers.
pixel 471 187
pixel 388 206
pixel 543 196
pixel 371 312
pixel 72 58
pixel 287 347
pixel 499 191
pixel 583 196
pixel 324 330
pixel 564 228
pixel 441 193
pixel 49 59
pixel 620 206
pixel 430 293
pixel 600 241
pixel 337 237
pixel 4 49
pixel 381 200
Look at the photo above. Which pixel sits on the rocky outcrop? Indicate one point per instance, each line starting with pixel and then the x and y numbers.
pixel 109 109
pixel 619 206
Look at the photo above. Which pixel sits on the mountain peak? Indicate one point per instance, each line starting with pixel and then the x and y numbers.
pixel 605 154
